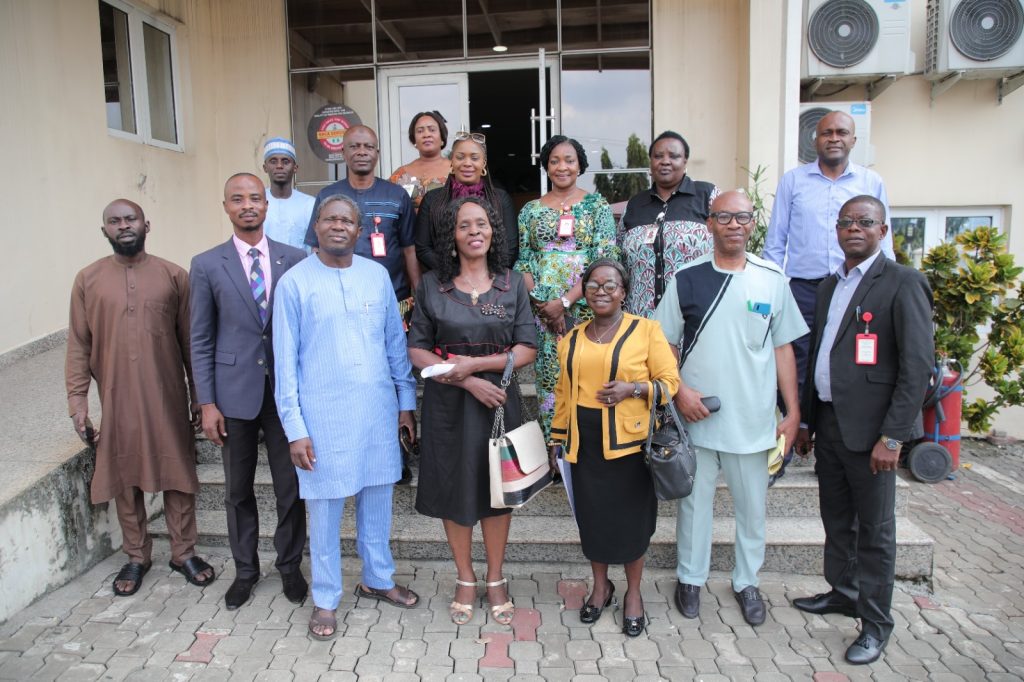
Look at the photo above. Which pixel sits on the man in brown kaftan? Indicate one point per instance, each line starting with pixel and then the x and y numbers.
pixel 129 330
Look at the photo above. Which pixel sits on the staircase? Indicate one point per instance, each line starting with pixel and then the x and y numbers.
pixel 544 531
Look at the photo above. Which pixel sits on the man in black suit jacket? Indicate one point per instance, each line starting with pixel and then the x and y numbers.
pixel 872 352
pixel 233 365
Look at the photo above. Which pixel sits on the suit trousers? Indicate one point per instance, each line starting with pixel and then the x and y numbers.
pixel 805 292
pixel 747 478
pixel 240 459
pixel 858 510
pixel 180 514
pixel 373 542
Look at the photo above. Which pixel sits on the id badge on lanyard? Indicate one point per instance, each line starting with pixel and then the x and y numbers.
pixel 378 246
pixel 566 224
pixel 866 349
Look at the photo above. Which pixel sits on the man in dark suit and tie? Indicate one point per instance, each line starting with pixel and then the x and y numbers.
pixel 233 364
pixel 872 352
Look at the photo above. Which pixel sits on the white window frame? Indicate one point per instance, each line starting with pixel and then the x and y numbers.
pixel 935 219
pixel 140 83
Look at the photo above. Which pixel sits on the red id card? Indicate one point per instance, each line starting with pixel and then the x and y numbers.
pixel 377 245
pixel 867 349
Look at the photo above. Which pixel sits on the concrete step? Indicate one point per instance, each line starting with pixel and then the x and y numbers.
pixel 794 544
pixel 796 494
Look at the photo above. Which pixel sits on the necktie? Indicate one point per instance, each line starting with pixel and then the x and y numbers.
pixel 258 284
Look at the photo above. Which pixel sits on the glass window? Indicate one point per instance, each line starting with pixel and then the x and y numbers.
pixel 335 33
pixel 908 238
pixel 408 31
pixel 956 225
pixel 605 24
pixel 117 68
pixel 495 27
pixel 918 230
pixel 606 106
pixel 323 102
pixel 139 74
pixel 160 83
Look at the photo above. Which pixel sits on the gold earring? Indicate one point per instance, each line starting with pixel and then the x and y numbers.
pixel 483 173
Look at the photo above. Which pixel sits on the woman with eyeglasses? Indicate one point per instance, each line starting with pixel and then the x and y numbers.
pixel 602 417
pixel 428 132
pixel 560 234
pixel 471 312
pixel 665 227
pixel 468 179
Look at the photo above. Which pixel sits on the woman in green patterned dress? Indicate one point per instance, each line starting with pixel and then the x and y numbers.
pixel 560 234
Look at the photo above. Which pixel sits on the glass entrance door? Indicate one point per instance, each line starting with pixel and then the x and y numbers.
pixel 493 97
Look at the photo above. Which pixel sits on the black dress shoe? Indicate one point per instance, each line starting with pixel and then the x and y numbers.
pixel 751 604
pixel 590 613
pixel 865 650
pixel 632 627
pixel 239 592
pixel 829 602
pixel 688 600
pixel 295 586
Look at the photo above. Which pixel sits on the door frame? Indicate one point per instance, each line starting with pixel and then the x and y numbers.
pixel 390 159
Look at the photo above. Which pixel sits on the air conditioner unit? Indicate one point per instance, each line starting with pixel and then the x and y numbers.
pixel 981 38
pixel 812 112
pixel 857 39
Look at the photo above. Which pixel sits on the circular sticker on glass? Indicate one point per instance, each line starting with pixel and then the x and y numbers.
pixel 326 132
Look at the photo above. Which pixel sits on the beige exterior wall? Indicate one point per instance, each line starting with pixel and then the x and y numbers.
pixel 63 166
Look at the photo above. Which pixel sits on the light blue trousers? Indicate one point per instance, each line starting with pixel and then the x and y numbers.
pixel 747 478
pixel 373 536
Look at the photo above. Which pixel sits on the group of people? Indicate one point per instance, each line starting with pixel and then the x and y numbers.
pixel 823 339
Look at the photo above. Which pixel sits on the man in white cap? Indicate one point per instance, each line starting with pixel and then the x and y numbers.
pixel 288 209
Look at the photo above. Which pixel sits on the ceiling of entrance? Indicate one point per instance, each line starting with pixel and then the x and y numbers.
pixel 329 33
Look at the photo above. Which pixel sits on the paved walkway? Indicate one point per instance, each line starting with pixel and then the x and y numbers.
pixel 968 625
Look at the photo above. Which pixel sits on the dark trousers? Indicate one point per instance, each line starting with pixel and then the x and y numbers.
pixel 858 510
pixel 240 459
pixel 805 291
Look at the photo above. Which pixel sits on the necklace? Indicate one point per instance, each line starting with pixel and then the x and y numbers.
pixel 600 339
pixel 474 295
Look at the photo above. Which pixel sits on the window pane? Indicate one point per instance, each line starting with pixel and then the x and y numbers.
pixel 603 24
pixel 956 225
pixel 355 90
pixel 407 31
pixel 160 83
pixel 335 33
pixel 520 26
pixel 117 69
pixel 606 106
pixel 908 237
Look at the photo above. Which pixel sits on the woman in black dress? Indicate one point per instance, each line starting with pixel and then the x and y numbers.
pixel 471 311
pixel 602 417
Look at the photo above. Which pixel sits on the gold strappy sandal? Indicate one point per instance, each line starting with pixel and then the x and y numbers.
pixel 502 613
pixel 461 613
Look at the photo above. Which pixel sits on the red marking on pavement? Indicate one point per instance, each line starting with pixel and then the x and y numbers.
pixel 573 592
pixel 202 649
pixel 830 677
pixel 525 624
pixel 925 603
pixel 987 505
pixel 496 650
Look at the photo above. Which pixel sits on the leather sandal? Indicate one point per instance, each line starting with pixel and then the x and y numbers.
pixel 385 596
pixel 323 618
pixel 461 613
pixel 191 568
pixel 502 613
pixel 133 572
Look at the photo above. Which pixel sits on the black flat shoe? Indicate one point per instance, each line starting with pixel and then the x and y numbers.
pixel 865 650
pixel 590 613
pixel 632 627
pixel 239 592
pixel 829 602
pixel 688 600
pixel 751 605
pixel 294 586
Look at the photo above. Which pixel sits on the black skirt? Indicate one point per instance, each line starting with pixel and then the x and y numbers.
pixel 616 509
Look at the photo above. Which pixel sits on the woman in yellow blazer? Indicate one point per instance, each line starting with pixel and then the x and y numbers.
pixel 602 418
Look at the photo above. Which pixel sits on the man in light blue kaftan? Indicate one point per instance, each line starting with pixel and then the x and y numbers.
pixel 344 386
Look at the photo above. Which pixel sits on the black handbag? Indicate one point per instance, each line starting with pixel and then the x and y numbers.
pixel 668 453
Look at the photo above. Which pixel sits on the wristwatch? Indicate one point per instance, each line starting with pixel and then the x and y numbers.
pixel 891 443
pixel 636 390
pixel 566 303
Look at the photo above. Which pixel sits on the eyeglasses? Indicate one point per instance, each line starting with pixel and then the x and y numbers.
pixel 847 223
pixel 479 138
pixel 725 217
pixel 609 287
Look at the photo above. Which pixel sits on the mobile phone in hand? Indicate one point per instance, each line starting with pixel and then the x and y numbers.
pixel 712 403
pixel 90 436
